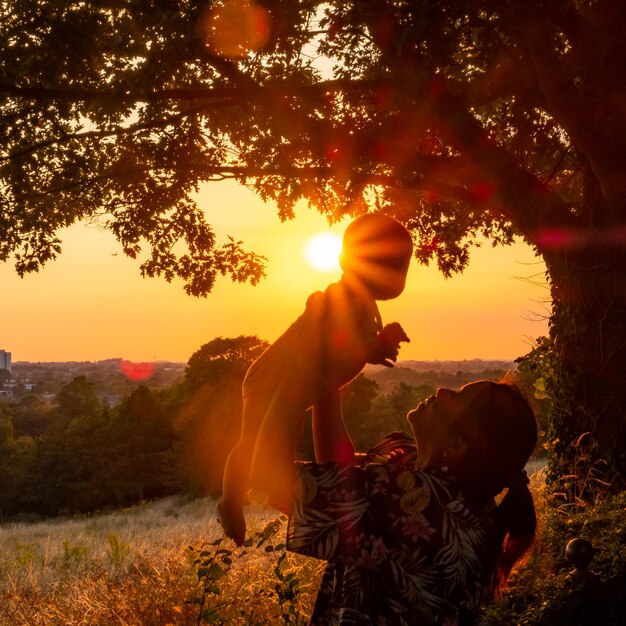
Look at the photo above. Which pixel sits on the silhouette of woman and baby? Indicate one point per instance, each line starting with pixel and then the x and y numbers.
pixel 412 534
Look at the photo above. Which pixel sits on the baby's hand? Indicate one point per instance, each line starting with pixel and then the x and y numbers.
pixel 390 338
pixel 394 333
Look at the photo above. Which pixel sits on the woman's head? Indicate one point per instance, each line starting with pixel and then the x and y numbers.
pixel 376 253
pixel 483 432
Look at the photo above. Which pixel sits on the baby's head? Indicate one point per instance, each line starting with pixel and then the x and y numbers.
pixel 376 253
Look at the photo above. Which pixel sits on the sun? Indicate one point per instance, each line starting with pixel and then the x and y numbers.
pixel 322 252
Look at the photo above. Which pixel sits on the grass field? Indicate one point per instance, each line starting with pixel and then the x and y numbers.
pixel 136 567
pixel 161 563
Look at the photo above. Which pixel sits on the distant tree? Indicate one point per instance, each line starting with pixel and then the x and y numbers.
pixel 389 411
pixel 66 474
pixel 356 406
pixel 223 358
pixel 144 439
pixel 209 413
pixel 77 399
pixel 207 426
pixel 15 460
pixel 31 416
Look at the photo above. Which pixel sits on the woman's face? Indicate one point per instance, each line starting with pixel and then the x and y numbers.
pixel 433 420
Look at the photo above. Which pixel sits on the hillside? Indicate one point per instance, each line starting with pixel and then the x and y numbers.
pixel 436 373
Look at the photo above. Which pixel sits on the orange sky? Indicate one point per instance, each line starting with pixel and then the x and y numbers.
pixel 92 303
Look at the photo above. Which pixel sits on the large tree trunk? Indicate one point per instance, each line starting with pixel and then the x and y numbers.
pixel 588 327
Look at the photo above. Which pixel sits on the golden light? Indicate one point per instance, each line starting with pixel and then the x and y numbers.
pixel 322 252
pixel 235 28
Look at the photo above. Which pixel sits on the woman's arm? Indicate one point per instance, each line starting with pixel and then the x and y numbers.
pixel 330 438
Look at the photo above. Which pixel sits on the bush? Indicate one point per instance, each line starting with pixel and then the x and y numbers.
pixel 538 589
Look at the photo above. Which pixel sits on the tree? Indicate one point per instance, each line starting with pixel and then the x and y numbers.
pixel 356 407
pixel 31 415
pixel 144 439
pixel 390 410
pixel 208 420
pixel 77 400
pixel 494 118
pixel 67 466
pixel 223 358
pixel 15 458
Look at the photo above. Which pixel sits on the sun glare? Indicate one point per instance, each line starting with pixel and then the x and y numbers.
pixel 322 252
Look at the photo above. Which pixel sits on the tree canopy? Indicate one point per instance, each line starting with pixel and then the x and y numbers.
pixel 116 111
pixel 222 358
pixel 463 119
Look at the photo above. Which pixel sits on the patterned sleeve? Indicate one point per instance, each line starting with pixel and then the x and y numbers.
pixel 337 507
pixel 330 503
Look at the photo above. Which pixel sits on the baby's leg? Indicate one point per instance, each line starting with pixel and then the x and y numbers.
pixel 237 468
pixel 278 438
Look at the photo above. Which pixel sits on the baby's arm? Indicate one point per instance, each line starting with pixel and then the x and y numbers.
pixel 388 345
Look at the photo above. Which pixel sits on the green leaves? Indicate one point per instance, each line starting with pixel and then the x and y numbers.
pixel 214 566
pixel 118 113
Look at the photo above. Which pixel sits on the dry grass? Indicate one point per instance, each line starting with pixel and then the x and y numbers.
pixel 135 568
pixel 132 567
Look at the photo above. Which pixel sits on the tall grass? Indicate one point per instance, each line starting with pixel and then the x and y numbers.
pixel 140 567
pixel 164 564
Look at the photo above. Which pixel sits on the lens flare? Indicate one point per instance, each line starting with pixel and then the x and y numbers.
pixel 579 238
pixel 136 371
pixel 235 28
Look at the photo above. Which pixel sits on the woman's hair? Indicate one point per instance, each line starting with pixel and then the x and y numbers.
pixel 500 429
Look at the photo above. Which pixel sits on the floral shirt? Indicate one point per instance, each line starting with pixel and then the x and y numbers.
pixel 403 546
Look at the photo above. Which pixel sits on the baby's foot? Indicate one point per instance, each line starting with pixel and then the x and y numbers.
pixel 232 520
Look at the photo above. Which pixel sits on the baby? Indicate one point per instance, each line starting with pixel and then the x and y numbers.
pixel 325 348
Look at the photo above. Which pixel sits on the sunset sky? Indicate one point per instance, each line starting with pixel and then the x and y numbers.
pixel 92 303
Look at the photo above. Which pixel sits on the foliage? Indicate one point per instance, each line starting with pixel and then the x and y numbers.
pixel 30 416
pixel 536 373
pixel 464 120
pixel 449 114
pixel 79 455
pixel 223 358
pixel 214 563
pixel 87 456
pixel 537 589
pixel 370 415
pixel 76 399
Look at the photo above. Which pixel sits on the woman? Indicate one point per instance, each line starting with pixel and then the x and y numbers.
pixel 415 536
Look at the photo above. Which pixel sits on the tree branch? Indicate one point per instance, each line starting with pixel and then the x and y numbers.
pixel 100 134
pixel 232 95
pixel 576 112
pixel 522 195
pixel 78 95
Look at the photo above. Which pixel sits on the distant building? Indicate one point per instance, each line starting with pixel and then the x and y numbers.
pixel 5 360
